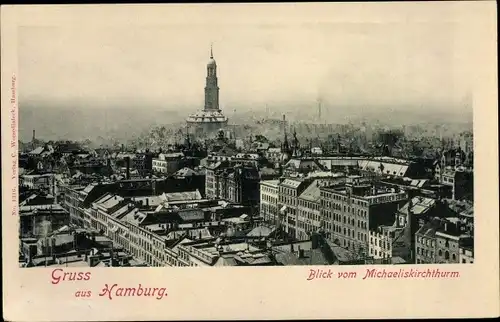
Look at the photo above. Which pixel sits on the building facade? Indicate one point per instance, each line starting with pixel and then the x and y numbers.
pixel 350 211
pixel 425 244
pixel 269 200
pixel 387 242
pixel 167 163
pixel 238 184
pixel 289 190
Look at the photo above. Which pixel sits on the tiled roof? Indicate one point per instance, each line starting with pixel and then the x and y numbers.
pixel 120 211
pixel 397 260
pixel 182 196
pixel 311 193
pixel 37 150
pixel 261 231
pixel 384 167
pixel 191 214
pixel 291 183
pixel 420 205
pixel 311 257
pixel 109 202
pixel 134 216
pixel 185 172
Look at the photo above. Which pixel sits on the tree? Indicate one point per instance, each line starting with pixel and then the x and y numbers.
pixel 260 138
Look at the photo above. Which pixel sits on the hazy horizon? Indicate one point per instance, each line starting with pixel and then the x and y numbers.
pixel 360 67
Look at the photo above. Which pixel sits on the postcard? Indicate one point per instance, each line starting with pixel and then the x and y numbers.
pixel 249 161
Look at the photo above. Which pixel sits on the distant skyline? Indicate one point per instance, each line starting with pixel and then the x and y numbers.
pixel 369 64
pixel 357 62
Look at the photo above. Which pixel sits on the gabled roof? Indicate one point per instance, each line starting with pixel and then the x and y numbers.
pixel 191 214
pixel 261 231
pixel 291 183
pixel 182 196
pixel 38 150
pixel 420 205
pixel 186 172
pixel 312 192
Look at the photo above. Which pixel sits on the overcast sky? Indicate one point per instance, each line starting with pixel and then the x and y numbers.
pixel 160 59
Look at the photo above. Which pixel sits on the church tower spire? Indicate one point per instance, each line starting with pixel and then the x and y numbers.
pixel 211 87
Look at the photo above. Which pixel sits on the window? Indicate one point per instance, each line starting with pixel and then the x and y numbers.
pixel 453 257
pixel 463 261
pixel 446 255
pixel 440 252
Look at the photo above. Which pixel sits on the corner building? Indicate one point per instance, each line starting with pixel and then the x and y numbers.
pixel 350 211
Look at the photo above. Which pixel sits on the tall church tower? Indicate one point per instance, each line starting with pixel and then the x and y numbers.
pixel 211 87
pixel 210 120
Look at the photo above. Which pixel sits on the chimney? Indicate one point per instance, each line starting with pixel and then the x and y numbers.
pixel 93 260
pixel 301 253
pixel 33 140
pixel 315 241
pixel 54 184
pixel 410 202
pixel 127 159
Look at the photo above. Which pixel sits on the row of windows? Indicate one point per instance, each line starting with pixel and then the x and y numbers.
pixel 426 241
pixel 268 190
pixel 449 180
pixel 362 237
pixel 446 243
pixel 341 198
pixel 447 255
pixel 347 209
pixel 309 215
pixel 268 198
pixel 349 221
pixel 287 191
pixel 288 200
pixel 384 244
pixel 425 252
pixel 348 244
pixel 381 253
pixel 306 226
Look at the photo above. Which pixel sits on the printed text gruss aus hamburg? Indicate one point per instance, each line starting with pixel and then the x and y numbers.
pixel 114 290
pixel 412 273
